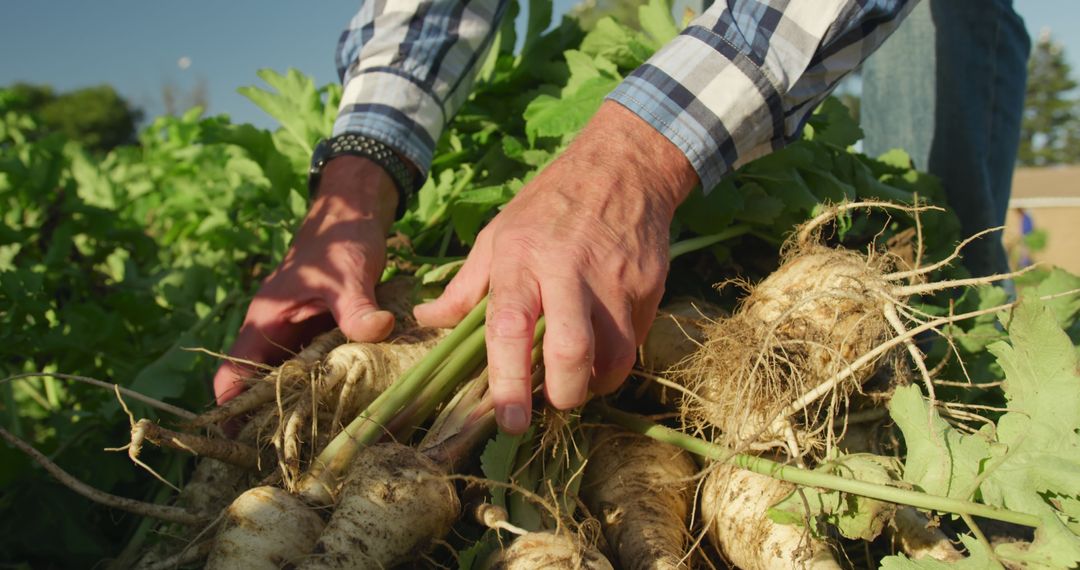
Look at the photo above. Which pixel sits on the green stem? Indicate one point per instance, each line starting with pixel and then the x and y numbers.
pixel 693 244
pixel 461 365
pixel 455 414
pixel 809 478
pixel 52 392
pixel 448 157
pixel 35 395
pixel 426 259
pixel 445 246
pixel 769 239
pixel 341 449
pixel 470 404
pixel 371 425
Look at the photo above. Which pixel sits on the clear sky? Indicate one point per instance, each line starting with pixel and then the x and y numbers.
pixel 137 45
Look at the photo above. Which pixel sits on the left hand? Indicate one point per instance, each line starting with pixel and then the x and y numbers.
pixel 586 244
pixel 328 275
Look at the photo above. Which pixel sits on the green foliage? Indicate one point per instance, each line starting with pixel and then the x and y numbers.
pixel 1029 460
pixel 112 267
pixel 497 463
pixel 656 21
pixel 590 12
pixel 548 116
pixel 855 517
pixel 940 460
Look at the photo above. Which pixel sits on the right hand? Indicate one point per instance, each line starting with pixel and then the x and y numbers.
pixel 585 243
pixel 328 276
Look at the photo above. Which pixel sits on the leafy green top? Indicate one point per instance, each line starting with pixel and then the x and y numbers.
pixel 1028 461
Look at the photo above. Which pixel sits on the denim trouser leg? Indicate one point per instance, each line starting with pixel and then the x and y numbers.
pixel 948 87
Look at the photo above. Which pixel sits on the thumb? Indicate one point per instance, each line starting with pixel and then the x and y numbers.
pixel 463 292
pixel 358 315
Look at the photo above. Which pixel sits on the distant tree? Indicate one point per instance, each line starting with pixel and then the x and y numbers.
pixel 1050 131
pixel 177 101
pixel 98 117
pixel 27 98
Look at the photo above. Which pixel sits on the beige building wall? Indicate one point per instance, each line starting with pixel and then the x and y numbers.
pixel 1051 197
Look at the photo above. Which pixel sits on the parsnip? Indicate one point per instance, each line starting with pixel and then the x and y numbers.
pixel 818 326
pixel 735 505
pixel 549 550
pixel 265 528
pixel 394 505
pixel 642 491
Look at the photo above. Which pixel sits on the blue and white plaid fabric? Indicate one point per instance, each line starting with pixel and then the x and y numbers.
pixel 408 65
pixel 738 82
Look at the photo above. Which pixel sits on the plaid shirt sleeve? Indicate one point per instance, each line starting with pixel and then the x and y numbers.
pixel 742 79
pixel 739 82
pixel 408 65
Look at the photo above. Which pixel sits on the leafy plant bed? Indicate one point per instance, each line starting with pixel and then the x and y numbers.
pixel 111 267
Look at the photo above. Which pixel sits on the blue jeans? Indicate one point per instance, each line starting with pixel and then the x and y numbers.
pixel 948 87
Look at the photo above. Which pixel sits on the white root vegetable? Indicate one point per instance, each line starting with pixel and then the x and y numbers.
pixel 677 332
pixel 213 486
pixel 780 371
pixel 800 326
pixel 353 375
pixel 394 506
pixel 349 378
pixel 818 326
pixel 227 450
pixel 288 376
pixel 912 532
pixel 549 550
pixel 735 504
pixel 394 295
pixel 642 491
pixel 265 528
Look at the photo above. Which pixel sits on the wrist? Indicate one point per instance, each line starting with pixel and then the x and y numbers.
pixel 356 188
pixel 619 145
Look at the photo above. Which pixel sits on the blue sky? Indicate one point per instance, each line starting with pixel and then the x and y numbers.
pixel 136 45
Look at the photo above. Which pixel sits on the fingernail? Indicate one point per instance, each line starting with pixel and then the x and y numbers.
pixel 513 419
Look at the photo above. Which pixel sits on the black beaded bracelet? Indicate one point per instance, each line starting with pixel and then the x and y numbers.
pixel 371 149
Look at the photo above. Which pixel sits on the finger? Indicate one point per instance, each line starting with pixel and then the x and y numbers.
pixel 463 292
pixel 568 342
pixel 266 337
pixel 513 309
pixel 644 313
pixel 358 315
pixel 616 347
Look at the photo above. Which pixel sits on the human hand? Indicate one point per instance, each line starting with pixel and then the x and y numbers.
pixel 328 275
pixel 586 244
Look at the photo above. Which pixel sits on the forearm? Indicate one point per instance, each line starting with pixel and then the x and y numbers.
pixel 619 146
pixel 354 189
